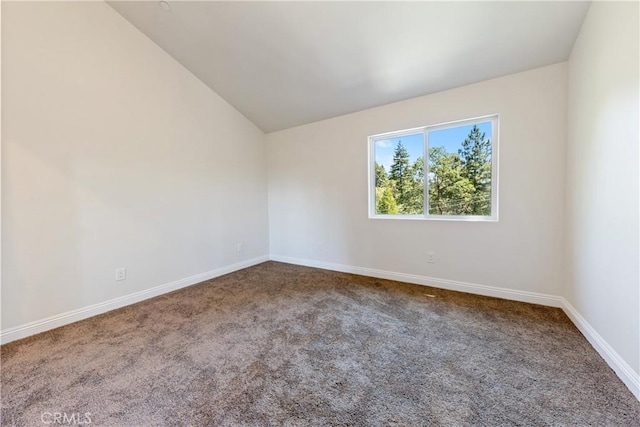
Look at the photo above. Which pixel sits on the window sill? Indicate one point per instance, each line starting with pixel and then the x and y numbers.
pixel 437 218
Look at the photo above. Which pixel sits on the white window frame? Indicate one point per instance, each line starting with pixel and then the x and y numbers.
pixel 493 118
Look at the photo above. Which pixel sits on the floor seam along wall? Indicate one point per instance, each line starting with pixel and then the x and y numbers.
pixel 613 359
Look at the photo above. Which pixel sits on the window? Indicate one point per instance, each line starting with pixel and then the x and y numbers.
pixel 460 169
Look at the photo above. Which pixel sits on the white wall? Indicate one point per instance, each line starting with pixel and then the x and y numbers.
pixel 602 240
pixel 114 155
pixel 318 189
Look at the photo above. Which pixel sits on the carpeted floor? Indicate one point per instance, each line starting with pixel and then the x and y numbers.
pixel 278 344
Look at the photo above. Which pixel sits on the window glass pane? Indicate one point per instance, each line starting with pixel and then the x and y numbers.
pixel 460 170
pixel 399 177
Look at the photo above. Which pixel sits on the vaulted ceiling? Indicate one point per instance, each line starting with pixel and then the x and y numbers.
pixel 284 64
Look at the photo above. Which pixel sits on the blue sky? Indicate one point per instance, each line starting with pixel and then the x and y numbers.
pixel 450 139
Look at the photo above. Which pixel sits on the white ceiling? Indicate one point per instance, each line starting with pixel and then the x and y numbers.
pixel 284 64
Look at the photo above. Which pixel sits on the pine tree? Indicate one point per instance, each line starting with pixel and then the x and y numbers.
pixel 414 198
pixel 400 176
pixel 382 179
pixel 400 164
pixel 475 155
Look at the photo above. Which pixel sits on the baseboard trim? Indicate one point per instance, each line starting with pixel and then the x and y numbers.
pixel 72 316
pixel 630 378
pixel 472 288
pixel 613 359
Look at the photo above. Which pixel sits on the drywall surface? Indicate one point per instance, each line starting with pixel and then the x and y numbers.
pixel 114 155
pixel 603 272
pixel 318 189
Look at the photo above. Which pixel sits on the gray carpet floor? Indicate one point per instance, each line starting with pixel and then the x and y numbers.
pixel 278 344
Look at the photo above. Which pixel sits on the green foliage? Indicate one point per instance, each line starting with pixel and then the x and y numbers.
pixel 385 202
pixel 406 183
pixel 382 179
pixel 413 200
pixel 459 183
pixel 476 157
pixel 450 193
pixel 400 173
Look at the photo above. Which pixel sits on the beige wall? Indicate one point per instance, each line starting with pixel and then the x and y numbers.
pixel 114 155
pixel 318 189
pixel 602 240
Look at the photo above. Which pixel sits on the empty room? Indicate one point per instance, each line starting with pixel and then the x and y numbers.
pixel 320 213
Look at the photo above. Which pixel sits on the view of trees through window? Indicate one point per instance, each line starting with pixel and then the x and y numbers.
pixel 459 172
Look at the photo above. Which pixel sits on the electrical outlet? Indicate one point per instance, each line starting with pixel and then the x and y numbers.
pixel 121 274
pixel 240 247
pixel 431 257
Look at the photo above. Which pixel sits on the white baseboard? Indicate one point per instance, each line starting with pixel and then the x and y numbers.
pixel 613 359
pixel 628 376
pixel 472 288
pixel 53 322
